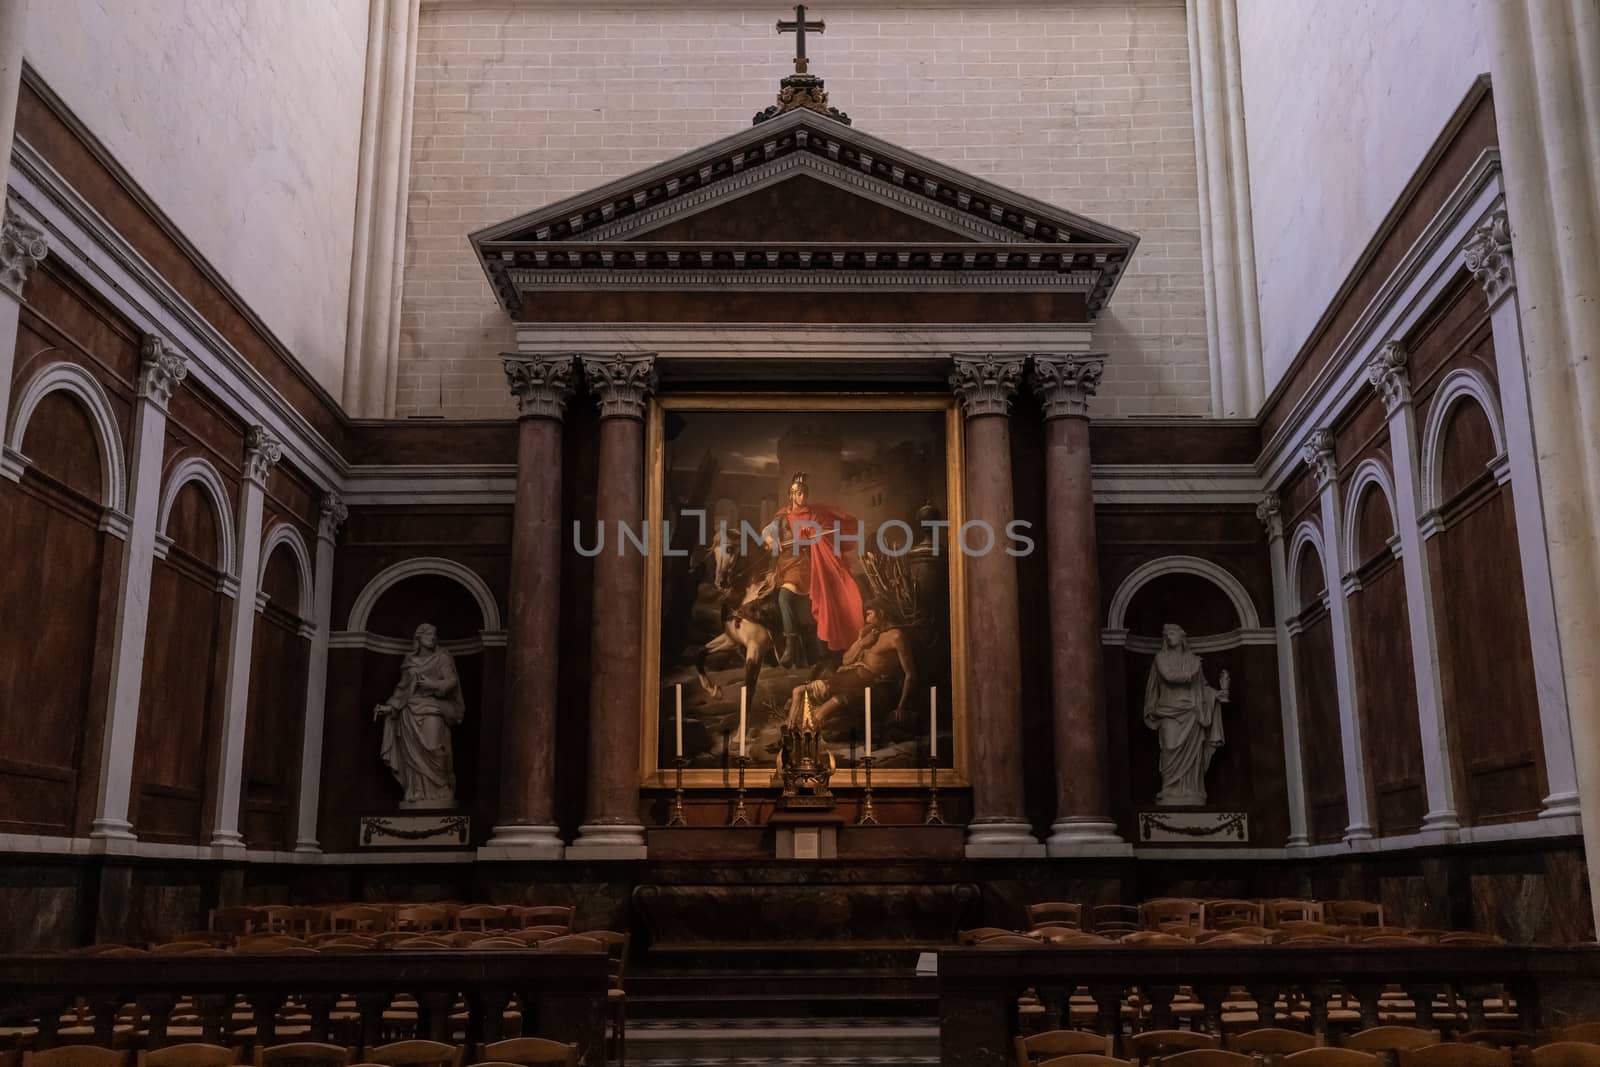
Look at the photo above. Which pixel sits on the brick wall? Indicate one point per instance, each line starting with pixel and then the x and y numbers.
pixel 1084 104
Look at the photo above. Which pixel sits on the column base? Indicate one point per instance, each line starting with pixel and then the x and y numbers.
pixel 111 830
pixel 1298 841
pixel 523 841
pixel 1357 832
pixel 1086 835
pixel 228 839
pixel 307 848
pixel 1441 820
pixel 1002 839
pixel 1560 806
pixel 608 841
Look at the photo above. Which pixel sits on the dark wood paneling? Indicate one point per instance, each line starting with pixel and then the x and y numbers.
pixel 197 422
pixel 1310 579
pixel 1386 695
pixel 273 728
pixel 1138 441
pixel 779 306
pixel 1455 332
pixel 1374 525
pixel 64 319
pixel 195 528
pixel 425 441
pixel 1466 451
pixel 1322 752
pixel 61 442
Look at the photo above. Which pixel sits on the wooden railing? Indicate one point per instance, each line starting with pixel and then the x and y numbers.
pixel 979 987
pixel 560 995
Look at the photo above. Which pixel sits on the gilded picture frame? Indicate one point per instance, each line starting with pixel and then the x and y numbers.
pixel 901 760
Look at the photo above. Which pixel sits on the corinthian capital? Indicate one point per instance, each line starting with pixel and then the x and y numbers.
pixel 984 385
pixel 1487 255
pixel 621 383
pixel 541 384
pixel 1066 382
pixel 331 516
pixel 161 368
pixel 22 247
pixel 262 450
pixel 1269 511
pixel 1388 375
pixel 1317 453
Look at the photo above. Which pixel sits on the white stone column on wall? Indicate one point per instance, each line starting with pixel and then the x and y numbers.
pixel 1318 455
pixel 334 513
pixel 13 16
pixel 1270 512
pixel 262 451
pixel 1545 60
pixel 1388 375
pixel 1488 256
pixel 1227 236
pixel 372 331
pixel 161 370
pixel 22 247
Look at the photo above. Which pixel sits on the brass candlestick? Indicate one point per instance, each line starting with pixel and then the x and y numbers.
pixel 934 818
pixel 676 818
pixel 867 817
pixel 741 817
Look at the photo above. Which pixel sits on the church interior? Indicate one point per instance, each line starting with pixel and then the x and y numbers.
pixel 965 532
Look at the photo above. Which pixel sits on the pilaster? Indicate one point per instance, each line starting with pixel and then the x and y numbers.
pixel 332 516
pixel 1270 512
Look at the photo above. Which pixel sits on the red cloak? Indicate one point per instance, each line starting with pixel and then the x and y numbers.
pixel 835 597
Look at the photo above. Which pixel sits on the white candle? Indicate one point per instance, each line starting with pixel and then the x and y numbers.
pixel 679 689
pixel 744 699
pixel 933 722
pixel 868 752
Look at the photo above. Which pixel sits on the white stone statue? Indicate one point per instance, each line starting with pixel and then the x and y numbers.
pixel 1187 716
pixel 416 724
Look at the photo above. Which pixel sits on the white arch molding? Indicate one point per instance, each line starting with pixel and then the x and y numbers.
pixel 71 378
pixel 197 469
pixel 393 575
pixel 1371 471
pixel 1306 535
pixel 283 533
pixel 1244 608
pixel 1458 386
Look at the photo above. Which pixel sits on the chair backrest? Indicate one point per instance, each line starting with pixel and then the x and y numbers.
pixel 1154 937
pixel 76 1056
pixel 1499 1038
pixel 482 917
pixel 1164 1043
pixel 1225 938
pixel 1589 1032
pixel 464 938
pixel 1332 1057
pixel 1184 911
pixel 302 1054
pixel 358 918
pixel 542 915
pixel 417 1053
pixel 1455 1054
pixel 1227 913
pixel 235 921
pixel 1352 912
pixel 1113 919
pixel 507 941
pixel 286 919
pixel 193 1054
pixel 269 942
pixel 530 1050
pixel 1567 1053
pixel 187 948
pixel 110 951
pixel 1271 1041
pixel 1053 935
pixel 1208 1057
pixel 616 946
pixel 1060 1043
pixel 1390 941
pixel 1086 1059
pixel 1301 927
pixel 1390 1038
pixel 1470 937
pixel 1282 909
pixel 1056 911
pixel 420 917
pixel 980 933
pixel 344 942
pixel 999 941
pixel 420 941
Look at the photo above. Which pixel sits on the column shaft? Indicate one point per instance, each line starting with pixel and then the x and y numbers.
pixel 333 516
pixel 1270 512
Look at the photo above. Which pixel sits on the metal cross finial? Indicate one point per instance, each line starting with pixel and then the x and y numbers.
pixel 799 27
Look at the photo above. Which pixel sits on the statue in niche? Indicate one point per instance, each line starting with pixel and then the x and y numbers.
pixel 1186 714
pixel 416 724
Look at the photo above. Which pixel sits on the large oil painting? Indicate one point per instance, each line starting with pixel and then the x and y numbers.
pixel 806 571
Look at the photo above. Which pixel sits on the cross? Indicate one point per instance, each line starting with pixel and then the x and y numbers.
pixel 799 27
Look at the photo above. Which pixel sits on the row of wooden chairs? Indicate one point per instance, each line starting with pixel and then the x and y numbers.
pixel 521 1051
pixel 1575 1046
pixel 1219 914
pixel 553 937
pixel 1308 934
pixel 382 918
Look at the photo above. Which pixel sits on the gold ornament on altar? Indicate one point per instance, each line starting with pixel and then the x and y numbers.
pixel 804 765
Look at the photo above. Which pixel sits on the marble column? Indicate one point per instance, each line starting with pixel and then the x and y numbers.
pixel 611 828
pixel 1488 256
pixel 1083 802
pixel 1270 512
pixel 1543 58
pixel 1388 375
pixel 160 372
pixel 333 515
pixel 526 828
pixel 22 247
pixel 262 452
pixel 1318 455
pixel 984 386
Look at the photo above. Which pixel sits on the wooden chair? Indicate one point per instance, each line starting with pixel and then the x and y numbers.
pixel 1226 914
pixel 232 922
pixel 193 1054
pixel 1455 1054
pixel 114 952
pixel 482 917
pixel 358 919
pixel 1589 1032
pixel 1498 1038
pixel 421 918
pixel 1390 941
pixel 269 943
pixel 533 936
pixel 417 1054
pixel 1154 937
pixel 1062 935
pixel 491 943
pixel 1056 911
pixel 1332 1057
pixel 1164 1043
pixel 1284 909
pixel 1208 1057
pixel 466 938
pixel 76 1056
pixel 1271 1041
pixel 529 1051
pixel 1113 920
pixel 542 915
pixel 303 1054
pixel 1302 927
pixel 1165 911
pixel 1086 1059
pixel 187 948
pixel 1470 937
pixel 1056 1043
pixel 616 946
pixel 1352 913
pixel 420 941
pixel 1390 1039
pixel 344 943
pixel 1567 1053
pixel 980 933
pixel 296 922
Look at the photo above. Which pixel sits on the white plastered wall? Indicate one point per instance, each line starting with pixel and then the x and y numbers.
pixel 1342 101
pixel 241 120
